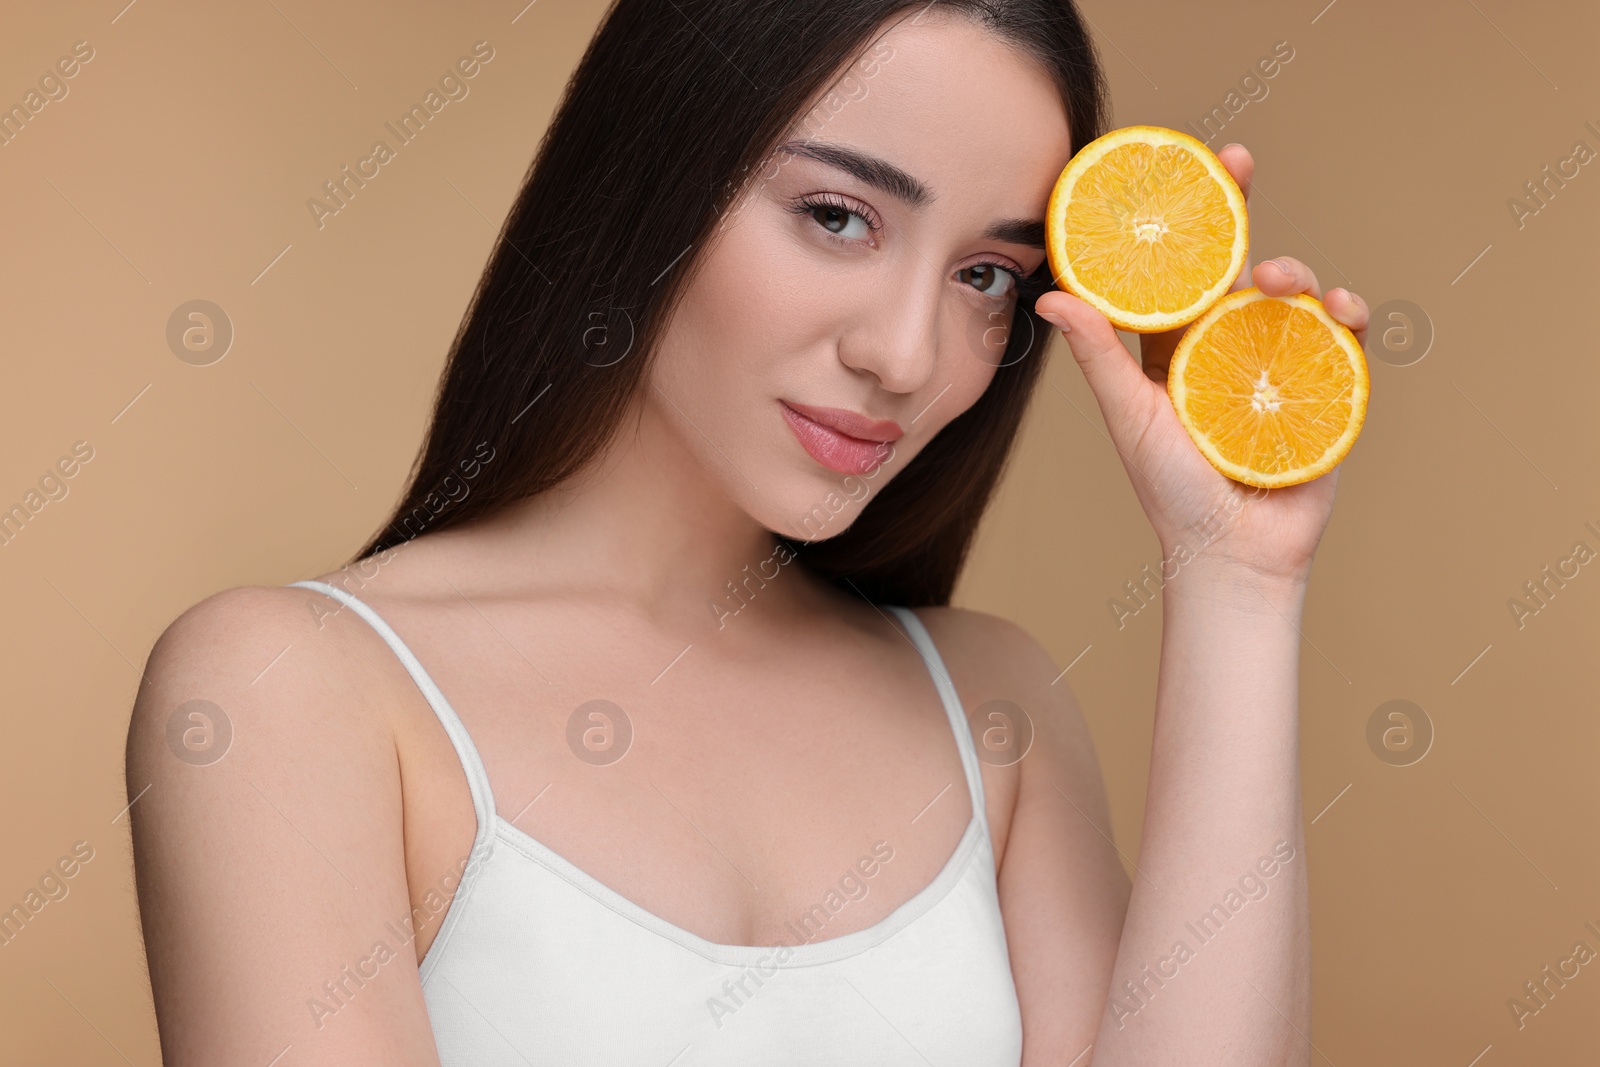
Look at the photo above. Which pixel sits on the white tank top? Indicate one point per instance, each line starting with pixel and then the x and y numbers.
pixel 538 963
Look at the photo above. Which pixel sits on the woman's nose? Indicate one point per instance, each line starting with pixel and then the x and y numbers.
pixel 895 333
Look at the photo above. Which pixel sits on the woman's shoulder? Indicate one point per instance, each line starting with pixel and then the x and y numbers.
pixel 992 651
pixel 1014 691
pixel 991 658
pixel 289 658
pixel 227 631
pixel 267 812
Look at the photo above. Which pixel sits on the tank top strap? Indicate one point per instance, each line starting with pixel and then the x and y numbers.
pixel 477 777
pixel 952 707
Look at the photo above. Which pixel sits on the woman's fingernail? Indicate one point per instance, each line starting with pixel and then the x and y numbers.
pixel 1231 144
pixel 1056 321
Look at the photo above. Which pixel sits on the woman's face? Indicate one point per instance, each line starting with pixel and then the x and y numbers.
pixel 870 269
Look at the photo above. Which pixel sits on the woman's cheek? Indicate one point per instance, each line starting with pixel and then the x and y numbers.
pixel 988 332
pixel 758 294
pixel 985 339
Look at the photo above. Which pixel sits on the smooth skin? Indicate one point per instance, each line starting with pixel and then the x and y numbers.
pixel 772 746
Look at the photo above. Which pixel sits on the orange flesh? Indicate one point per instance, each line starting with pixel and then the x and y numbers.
pixel 1270 388
pixel 1148 227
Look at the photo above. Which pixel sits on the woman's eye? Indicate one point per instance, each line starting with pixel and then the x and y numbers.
pixel 990 279
pixel 841 221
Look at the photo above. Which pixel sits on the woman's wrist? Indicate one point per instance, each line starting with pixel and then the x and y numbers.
pixel 1229 583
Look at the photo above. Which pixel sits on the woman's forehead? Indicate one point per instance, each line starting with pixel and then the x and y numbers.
pixel 968 114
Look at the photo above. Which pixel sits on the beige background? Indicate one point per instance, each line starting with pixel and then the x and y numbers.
pixel 179 166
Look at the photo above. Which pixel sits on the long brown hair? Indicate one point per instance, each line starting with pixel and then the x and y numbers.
pixel 599 246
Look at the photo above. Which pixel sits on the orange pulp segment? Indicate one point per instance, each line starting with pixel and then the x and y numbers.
pixel 1273 390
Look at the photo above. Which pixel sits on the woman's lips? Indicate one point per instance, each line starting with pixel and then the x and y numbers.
pixel 837 451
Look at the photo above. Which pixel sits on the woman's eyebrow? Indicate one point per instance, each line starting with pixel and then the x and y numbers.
pixel 878 173
pixel 1028 232
pixel 885 176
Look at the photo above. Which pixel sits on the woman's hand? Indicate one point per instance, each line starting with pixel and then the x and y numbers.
pixel 1193 507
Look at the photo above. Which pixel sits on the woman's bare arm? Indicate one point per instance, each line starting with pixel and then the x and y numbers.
pixel 1208 962
pixel 1212 965
pixel 1214 961
pixel 271 881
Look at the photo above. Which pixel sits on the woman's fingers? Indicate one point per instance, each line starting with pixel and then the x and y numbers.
pixel 1284 276
pixel 1239 163
pixel 1349 309
pixel 1119 385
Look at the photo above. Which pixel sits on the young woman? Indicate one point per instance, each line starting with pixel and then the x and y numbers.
pixel 644 733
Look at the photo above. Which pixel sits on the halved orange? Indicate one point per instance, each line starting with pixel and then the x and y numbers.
pixel 1148 226
pixel 1272 389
